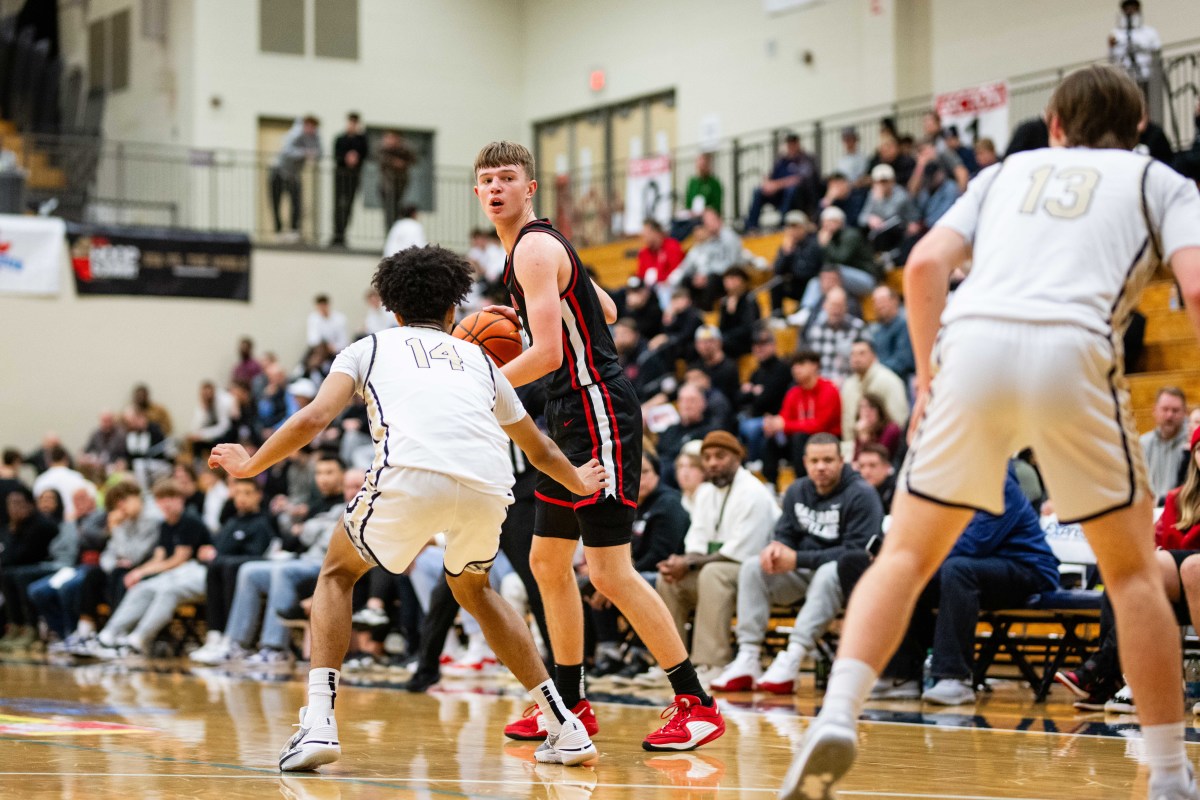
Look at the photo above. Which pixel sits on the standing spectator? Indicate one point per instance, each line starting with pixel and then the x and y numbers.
pixel 869 377
pixel 301 145
pixel 738 313
pixel 487 257
pixel 156 414
pixel 395 159
pixel 833 336
pixel 732 516
pixel 791 184
pixel 889 333
pixel 407 231
pixel 378 318
pixel 875 465
pixel 107 442
pixel 798 260
pixel 247 368
pixel 1164 446
pixel 1133 44
pixel 10 480
pixel 60 477
pixel 326 325
pixel 212 421
pixel 659 256
pixel 829 512
pixel 716 249
pixel 24 546
pixel 703 191
pixel 851 163
pixel 349 153
pixel 762 394
pixel 812 406
pixel 1153 141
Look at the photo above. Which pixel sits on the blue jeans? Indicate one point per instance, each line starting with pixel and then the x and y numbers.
pixel 263 588
pixel 782 200
pixel 855 281
pixel 59 607
pixel 751 430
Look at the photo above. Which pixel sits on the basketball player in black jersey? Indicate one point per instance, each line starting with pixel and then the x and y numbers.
pixel 592 412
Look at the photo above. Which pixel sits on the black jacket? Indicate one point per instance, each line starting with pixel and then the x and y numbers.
pixel 738 326
pixel 775 378
pixel 29 543
pixel 822 528
pixel 245 535
pixel 802 264
pixel 659 528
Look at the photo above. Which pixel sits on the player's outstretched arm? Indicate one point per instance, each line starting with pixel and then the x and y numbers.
pixel 546 457
pixel 1185 263
pixel 300 429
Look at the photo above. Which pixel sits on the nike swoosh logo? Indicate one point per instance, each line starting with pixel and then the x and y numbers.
pixel 568 422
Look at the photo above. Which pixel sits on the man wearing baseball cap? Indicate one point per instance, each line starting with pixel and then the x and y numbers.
pixel 889 208
pixel 732 519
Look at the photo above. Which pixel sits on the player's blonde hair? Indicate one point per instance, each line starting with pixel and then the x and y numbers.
pixel 1098 106
pixel 505 154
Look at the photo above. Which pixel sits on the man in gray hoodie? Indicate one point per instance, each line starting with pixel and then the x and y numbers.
pixel 826 514
pixel 301 144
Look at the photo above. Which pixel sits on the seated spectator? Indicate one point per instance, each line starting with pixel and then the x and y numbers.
pixel 486 256
pixel 797 262
pixel 642 367
pixel 10 479
pixel 695 422
pixel 641 303
pixel 39 459
pixel 689 474
pixel 826 514
pixel 851 163
pixel 315 364
pixel 268 592
pixel 132 531
pixel 888 212
pixel 379 318
pixel 828 279
pixel 833 335
pixel 791 184
pixel 247 367
pixel 934 147
pixel 1164 446
pixel 846 249
pixel 985 153
pixel 659 256
pixel 810 407
pixel 274 403
pixel 889 333
pixel 875 466
pixel 61 478
pixel 173 575
pixel 889 154
pixel 681 320
pixel 1187 162
pixel 212 421
pixel 869 377
pixel 703 191
pixel 107 442
pixel 874 426
pixel 56 598
pixel 245 424
pixel 154 413
pixel 243 538
pixel 935 195
pixel 965 154
pixel 716 248
pixel 24 549
pixel 1153 141
pixel 185 479
pixel 1030 478
pixel 720 408
pixel 145 445
pixel 738 313
pixel 997 562
pixel 722 371
pixel 658 533
pixel 848 197
pixel 762 394
pixel 326 326
pixel 733 513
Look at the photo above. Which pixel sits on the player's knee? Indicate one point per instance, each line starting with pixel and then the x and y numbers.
pixel 468 589
pixel 612 580
pixel 548 570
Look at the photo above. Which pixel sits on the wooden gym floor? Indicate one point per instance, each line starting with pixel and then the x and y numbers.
pixel 129 731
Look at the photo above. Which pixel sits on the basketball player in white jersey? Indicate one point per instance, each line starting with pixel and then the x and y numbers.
pixel 1062 242
pixel 439 413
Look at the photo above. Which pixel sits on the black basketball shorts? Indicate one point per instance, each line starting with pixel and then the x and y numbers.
pixel 602 421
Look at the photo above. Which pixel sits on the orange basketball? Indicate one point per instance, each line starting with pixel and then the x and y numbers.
pixel 498 337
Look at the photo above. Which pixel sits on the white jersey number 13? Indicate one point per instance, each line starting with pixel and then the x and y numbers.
pixel 1079 185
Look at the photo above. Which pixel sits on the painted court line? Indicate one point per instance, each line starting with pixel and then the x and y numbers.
pixel 482 782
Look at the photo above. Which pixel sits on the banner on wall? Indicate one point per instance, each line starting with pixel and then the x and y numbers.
pixel 163 262
pixel 647 192
pixel 979 112
pixel 31 253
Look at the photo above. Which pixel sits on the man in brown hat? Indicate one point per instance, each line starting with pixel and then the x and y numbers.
pixel 732 519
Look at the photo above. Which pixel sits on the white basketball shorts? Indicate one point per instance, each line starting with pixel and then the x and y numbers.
pixel 399 509
pixel 1003 386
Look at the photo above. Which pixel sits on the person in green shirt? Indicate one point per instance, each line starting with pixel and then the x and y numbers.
pixel 704 190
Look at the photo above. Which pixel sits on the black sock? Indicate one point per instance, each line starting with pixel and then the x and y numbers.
pixel 684 681
pixel 569 681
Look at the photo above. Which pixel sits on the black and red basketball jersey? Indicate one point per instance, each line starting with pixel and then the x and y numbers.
pixel 589 355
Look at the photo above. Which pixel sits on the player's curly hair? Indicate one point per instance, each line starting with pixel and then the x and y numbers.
pixel 422 283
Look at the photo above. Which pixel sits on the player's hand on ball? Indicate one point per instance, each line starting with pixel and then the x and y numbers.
pixel 505 311
pixel 232 458
pixel 592 476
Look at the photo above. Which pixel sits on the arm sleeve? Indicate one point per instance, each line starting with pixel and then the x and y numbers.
pixel 1178 209
pixel 509 410
pixel 1166 535
pixel 963 216
pixel 702 529
pixel 355 360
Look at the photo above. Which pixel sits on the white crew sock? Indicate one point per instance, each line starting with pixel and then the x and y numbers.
pixel 85 628
pixel 1166 756
pixel 322 692
pixel 850 683
pixel 546 695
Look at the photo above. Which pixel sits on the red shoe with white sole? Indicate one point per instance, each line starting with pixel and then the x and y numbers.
pixel 532 728
pixel 690 725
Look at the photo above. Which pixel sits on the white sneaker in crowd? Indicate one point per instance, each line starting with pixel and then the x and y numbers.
pixel 742 673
